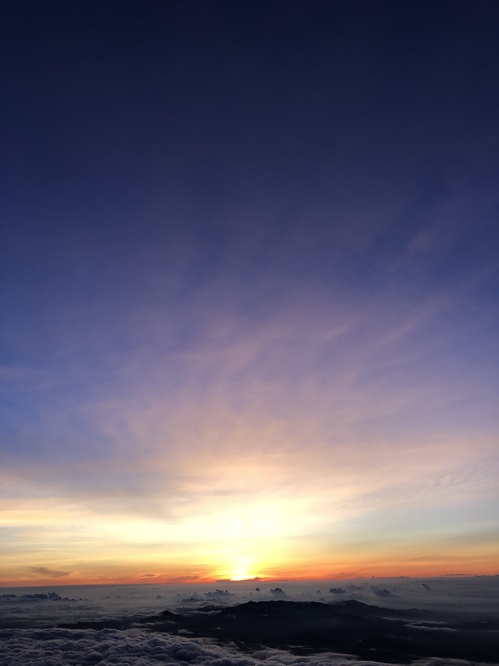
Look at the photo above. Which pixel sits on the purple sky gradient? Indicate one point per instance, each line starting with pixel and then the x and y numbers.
pixel 249 285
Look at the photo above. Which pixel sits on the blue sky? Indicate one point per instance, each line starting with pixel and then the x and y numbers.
pixel 249 277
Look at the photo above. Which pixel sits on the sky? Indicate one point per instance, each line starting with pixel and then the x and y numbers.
pixel 249 290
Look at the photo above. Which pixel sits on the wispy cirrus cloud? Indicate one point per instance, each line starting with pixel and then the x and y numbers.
pixel 52 573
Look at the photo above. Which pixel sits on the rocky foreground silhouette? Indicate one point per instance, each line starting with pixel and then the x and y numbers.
pixel 351 627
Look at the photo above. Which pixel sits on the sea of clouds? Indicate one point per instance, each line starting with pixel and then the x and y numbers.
pixel 106 647
pixel 110 646
pixel 30 634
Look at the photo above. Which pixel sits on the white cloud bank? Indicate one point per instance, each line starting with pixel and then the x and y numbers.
pixel 64 647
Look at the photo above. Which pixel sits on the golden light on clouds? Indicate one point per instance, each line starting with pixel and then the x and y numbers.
pixel 283 516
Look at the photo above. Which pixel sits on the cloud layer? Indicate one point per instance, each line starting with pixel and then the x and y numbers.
pixel 62 647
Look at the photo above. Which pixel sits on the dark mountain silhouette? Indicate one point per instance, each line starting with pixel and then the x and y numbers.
pixel 368 632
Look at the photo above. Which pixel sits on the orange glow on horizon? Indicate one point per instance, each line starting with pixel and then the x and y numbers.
pixel 124 576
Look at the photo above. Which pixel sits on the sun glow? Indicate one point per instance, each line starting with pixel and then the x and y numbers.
pixel 241 569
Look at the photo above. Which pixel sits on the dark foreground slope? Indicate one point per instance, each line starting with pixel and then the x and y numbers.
pixel 369 632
